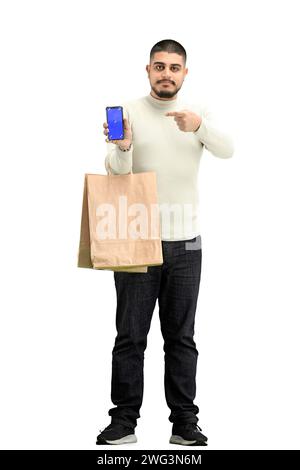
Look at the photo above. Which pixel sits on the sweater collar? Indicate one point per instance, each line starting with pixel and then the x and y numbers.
pixel 161 104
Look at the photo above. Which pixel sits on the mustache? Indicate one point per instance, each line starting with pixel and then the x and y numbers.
pixel 165 81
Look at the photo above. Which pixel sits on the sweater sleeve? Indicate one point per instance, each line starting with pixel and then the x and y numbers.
pixel 219 143
pixel 118 162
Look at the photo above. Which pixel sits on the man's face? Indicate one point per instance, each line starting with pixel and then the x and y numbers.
pixel 166 73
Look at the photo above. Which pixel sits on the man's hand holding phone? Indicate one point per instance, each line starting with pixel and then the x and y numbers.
pixel 125 143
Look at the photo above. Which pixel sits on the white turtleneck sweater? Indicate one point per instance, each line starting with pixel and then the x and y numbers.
pixel 159 145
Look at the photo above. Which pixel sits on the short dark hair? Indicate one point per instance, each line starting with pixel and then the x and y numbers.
pixel 168 45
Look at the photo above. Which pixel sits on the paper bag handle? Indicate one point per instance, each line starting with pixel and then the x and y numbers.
pixel 108 169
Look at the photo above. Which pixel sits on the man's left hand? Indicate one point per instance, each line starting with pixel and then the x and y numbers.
pixel 187 121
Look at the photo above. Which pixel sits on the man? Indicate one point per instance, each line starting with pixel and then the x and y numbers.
pixel 165 135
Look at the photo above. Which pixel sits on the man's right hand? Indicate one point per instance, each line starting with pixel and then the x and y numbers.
pixel 122 143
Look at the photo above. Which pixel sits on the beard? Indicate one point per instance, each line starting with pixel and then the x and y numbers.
pixel 164 92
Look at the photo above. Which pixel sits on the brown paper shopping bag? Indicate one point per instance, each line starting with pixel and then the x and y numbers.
pixel 120 226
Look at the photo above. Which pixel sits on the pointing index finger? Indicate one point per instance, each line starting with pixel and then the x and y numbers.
pixel 175 113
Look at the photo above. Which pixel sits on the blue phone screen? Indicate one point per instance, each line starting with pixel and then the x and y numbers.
pixel 115 123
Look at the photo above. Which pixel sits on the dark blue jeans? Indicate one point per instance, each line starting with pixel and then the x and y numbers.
pixel 176 285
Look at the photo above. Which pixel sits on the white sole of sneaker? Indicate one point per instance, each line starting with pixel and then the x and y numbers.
pixel 174 439
pixel 130 439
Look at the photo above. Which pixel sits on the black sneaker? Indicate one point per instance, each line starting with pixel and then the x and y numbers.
pixel 187 435
pixel 116 433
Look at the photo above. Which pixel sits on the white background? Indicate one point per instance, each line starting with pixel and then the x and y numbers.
pixel 62 62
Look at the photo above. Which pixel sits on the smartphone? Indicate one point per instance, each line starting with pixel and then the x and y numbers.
pixel 114 118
